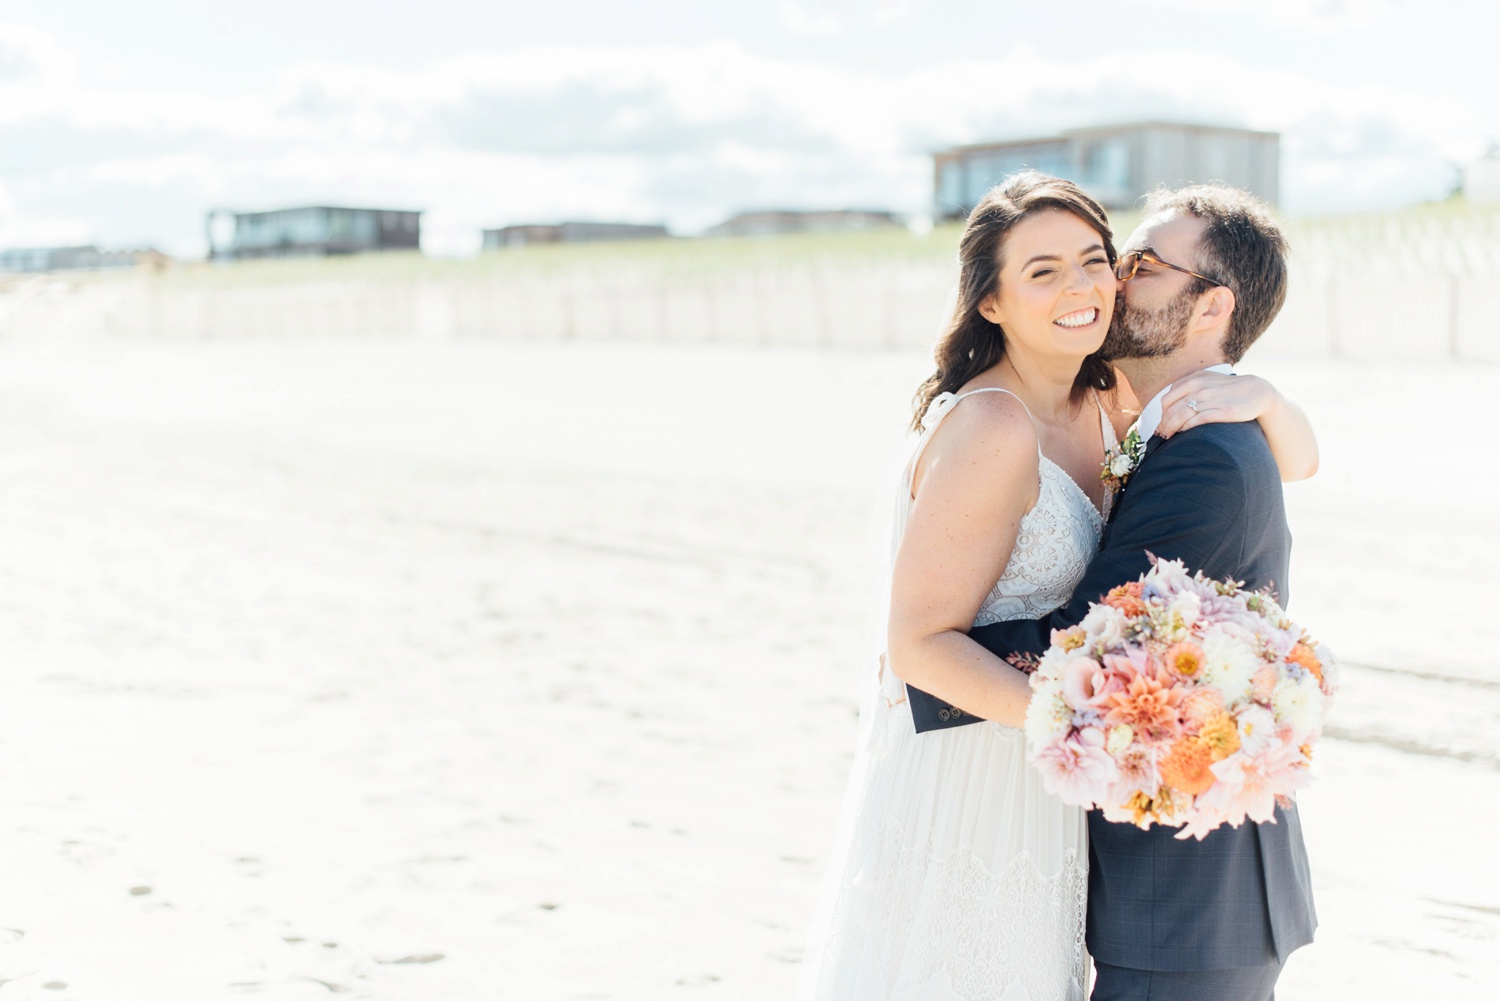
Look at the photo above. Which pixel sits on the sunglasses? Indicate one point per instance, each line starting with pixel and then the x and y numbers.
pixel 1126 267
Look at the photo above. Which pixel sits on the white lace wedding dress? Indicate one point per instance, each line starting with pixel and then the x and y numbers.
pixel 958 877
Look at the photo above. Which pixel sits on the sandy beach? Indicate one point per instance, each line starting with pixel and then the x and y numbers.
pixel 457 670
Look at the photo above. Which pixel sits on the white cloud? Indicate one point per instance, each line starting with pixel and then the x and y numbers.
pixel 800 21
pixel 680 134
pixel 892 12
pixel 1321 16
pixel 27 53
pixel 17 230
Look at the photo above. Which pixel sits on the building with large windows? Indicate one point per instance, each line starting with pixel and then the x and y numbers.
pixel 27 260
pixel 315 231
pixel 1117 164
pixel 570 232
pixel 774 222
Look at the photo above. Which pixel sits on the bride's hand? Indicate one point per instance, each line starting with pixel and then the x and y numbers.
pixel 1217 398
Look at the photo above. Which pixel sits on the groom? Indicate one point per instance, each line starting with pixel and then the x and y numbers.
pixel 1202 277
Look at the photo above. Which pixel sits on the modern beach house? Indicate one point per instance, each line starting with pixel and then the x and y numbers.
pixel 1117 164
pixel 569 232
pixel 314 231
pixel 771 222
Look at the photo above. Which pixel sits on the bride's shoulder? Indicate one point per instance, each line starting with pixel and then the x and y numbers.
pixel 985 424
pixel 983 456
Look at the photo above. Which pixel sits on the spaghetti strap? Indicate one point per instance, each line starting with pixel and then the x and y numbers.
pixel 940 406
pixel 1106 426
pixel 997 389
pixel 944 402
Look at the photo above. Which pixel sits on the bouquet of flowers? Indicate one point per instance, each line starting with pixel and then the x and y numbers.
pixel 1181 701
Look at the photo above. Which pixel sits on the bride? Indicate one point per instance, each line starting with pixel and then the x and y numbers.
pixel 958 877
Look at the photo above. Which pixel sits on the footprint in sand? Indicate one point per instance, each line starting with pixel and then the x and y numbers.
pixel 333 988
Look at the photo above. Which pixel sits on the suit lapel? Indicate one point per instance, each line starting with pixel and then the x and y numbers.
pixel 1155 442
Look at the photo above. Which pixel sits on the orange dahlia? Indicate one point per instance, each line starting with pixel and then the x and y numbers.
pixel 1220 735
pixel 1149 706
pixel 1127 598
pixel 1186 766
pixel 1202 705
pixel 1303 656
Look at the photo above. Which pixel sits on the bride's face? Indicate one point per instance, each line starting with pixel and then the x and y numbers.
pixel 1057 290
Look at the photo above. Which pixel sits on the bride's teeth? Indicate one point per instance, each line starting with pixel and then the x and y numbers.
pixel 1080 319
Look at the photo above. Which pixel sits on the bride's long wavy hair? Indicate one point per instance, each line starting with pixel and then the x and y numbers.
pixel 971 344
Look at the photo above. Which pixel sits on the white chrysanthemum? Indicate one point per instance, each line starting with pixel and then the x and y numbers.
pixel 1272 610
pixel 1257 730
pixel 1104 624
pixel 1169 577
pixel 1229 663
pixel 1052 661
pixel 1119 738
pixel 1185 608
pixel 1047 718
pixel 1279 642
pixel 1298 702
pixel 1046 684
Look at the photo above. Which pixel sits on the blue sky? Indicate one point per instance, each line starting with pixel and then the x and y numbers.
pixel 123 123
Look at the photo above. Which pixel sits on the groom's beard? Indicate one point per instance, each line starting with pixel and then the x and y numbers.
pixel 1138 333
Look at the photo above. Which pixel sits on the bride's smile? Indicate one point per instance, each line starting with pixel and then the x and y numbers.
pixel 1079 318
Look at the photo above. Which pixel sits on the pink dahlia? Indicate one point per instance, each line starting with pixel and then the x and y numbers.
pixel 1077 769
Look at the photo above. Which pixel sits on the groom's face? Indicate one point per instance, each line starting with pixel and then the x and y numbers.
pixel 1154 309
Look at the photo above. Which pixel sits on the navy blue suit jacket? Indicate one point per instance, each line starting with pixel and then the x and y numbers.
pixel 1211 497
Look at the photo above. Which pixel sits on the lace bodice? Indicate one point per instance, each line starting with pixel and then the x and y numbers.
pixel 1057 537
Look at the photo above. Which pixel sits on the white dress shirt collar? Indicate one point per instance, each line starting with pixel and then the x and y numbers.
pixel 1151 415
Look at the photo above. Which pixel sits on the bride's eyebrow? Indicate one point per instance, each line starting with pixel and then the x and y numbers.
pixel 1057 257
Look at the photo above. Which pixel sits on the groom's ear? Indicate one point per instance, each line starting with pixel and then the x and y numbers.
pixel 1216 307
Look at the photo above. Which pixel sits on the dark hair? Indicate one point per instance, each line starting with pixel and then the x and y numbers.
pixel 971 344
pixel 1241 246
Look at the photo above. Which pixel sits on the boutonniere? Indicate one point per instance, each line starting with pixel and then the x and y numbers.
pixel 1120 462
